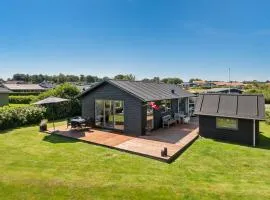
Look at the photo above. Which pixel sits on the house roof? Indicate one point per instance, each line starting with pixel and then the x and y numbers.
pixel 146 91
pixel 231 105
pixel 4 90
pixel 221 90
pixel 23 87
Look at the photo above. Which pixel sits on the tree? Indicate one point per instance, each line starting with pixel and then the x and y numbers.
pixel 19 77
pixel 172 80
pixel 66 90
pixel 129 77
pixel 61 78
pixel 156 79
pixel 90 79
pixel 194 79
pixel 153 80
pixel 82 78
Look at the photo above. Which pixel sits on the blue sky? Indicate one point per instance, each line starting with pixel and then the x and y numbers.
pixel 147 38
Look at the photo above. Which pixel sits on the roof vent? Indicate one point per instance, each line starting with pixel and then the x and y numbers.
pixel 172 91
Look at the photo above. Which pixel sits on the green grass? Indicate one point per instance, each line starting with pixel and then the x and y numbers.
pixel 267 107
pixel 17 105
pixel 40 166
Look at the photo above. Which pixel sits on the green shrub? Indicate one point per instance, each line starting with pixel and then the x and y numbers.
pixel 11 117
pixel 63 110
pixel 264 91
pixel 25 93
pixel 21 99
pixel 66 90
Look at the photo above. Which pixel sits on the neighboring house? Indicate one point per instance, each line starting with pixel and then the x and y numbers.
pixel 4 96
pixel 229 84
pixel 225 90
pixel 187 85
pixel 85 87
pixel 21 88
pixel 128 105
pixel 204 84
pixel 230 117
pixel 15 82
pixel 46 84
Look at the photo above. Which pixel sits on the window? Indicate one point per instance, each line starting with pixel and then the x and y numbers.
pixel 166 104
pixel 227 123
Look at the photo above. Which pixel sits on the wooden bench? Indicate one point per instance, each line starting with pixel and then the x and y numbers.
pixel 167 121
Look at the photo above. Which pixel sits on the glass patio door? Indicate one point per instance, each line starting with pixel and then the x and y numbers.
pixel 109 114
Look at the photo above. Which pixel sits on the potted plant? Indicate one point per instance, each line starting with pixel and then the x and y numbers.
pixel 43 125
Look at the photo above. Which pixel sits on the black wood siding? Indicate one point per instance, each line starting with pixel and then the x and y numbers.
pixel 134 110
pixel 243 135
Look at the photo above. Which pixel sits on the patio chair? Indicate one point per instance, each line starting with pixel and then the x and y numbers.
pixel 186 120
pixel 167 120
pixel 179 116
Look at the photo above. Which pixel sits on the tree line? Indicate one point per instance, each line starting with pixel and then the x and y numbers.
pixel 62 78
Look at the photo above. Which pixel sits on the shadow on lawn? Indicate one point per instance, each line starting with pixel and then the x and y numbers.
pixel 264 142
pixel 58 139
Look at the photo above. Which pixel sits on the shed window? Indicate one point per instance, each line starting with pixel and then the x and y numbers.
pixel 227 123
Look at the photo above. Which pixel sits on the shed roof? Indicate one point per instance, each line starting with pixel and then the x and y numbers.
pixel 4 90
pixel 23 87
pixel 231 105
pixel 146 91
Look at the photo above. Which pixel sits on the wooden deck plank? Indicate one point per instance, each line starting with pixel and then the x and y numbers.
pixel 175 139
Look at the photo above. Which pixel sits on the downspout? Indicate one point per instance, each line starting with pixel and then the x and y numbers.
pixel 188 106
pixel 254 132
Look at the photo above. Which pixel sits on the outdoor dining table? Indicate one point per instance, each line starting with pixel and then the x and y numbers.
pixel 77 122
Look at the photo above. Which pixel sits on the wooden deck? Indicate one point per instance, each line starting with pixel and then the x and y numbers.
pixel 176 139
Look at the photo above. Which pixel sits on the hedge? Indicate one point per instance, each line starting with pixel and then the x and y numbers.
pixel 25 93
pixel 265 91
pixel 21 99
pixel 63 110
pixel 11 117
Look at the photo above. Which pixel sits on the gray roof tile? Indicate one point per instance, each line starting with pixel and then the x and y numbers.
pixel 147 91
pixel 231 105
pixel 4 90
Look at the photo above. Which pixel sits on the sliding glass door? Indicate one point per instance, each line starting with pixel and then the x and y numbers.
pixel 109 114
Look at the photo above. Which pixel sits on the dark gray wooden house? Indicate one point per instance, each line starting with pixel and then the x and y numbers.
pixel 127 105
pixel 230 117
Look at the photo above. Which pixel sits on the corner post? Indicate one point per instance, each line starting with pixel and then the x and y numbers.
pixel 254 132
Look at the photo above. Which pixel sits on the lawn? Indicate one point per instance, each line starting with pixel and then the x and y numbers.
pixel 267 107
pixel 40 166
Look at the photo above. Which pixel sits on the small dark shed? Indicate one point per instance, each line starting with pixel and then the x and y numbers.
pixel 230 117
